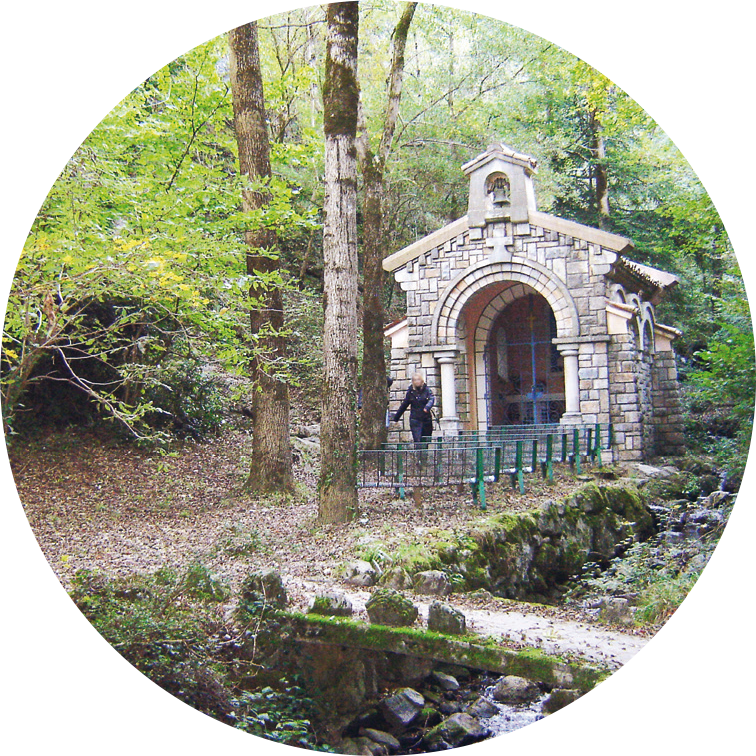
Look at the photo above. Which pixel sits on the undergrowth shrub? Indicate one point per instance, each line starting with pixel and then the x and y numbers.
pixel 163 624
pixel 170 625
pixel 280 715
pixel 658 601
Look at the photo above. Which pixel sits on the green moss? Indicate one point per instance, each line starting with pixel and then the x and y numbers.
pixel 470 651
pixel 683 485
pixel 496 550
pixel 475 577
pixel 389 607
pixel 320 604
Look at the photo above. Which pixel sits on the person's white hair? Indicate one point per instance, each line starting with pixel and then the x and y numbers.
pixel 418 374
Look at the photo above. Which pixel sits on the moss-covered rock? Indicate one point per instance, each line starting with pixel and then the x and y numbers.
pixel 397 578
pixel 388 607
pixel 415 643
pixel 532 555
pixel 402 708
pixel 443 618
pixel 432 583
pixel 682 485
pixel 264 588
pixel 458 730
pixel 513 689
pixel 331 604
pixel 559 698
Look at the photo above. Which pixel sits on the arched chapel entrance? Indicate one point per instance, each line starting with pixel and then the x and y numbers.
pixel 525 371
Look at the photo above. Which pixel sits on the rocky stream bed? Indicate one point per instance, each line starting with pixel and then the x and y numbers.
pixel 454 706
pixel 472 624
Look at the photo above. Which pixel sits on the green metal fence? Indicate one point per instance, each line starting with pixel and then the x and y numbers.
pixel 486 457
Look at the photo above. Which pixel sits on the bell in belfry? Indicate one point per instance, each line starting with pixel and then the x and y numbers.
pixel 499 188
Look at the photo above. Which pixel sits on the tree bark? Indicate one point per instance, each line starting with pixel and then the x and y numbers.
pixel 271 466
pixel 338 435
pixel 600 173
pixel 374 388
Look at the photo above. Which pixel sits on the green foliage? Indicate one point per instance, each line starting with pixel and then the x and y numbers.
pixel 279 715
pixel 723 388
pixel 659 600
pixel 163 624
pixel 133 276
pixel 136 262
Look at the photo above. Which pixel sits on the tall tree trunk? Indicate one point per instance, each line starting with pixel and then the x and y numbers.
pixel 373 384
pixel 311 58
pixel 270 469
pixel 374 389
pixel 338 435
pixel 600 174
pixel 717 273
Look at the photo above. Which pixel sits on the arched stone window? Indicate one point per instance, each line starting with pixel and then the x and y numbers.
pixel 647 340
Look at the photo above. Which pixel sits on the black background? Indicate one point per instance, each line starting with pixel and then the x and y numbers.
pixel 89 55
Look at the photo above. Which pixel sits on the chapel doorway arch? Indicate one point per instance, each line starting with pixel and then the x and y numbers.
pixel 525 371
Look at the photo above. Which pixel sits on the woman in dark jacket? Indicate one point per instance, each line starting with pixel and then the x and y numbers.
pixel 419 398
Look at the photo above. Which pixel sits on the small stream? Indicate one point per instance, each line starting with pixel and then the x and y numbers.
pixel 511 717
pixel 476 685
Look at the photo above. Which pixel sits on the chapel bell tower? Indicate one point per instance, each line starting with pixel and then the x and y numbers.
pixel 501 186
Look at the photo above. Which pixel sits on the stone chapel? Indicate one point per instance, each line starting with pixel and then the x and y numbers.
pixel 518 317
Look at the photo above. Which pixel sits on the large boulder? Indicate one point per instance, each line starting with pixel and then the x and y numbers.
pixel 649 471
pixel 462 674
pixel 371 748
pixel 559 698
pixel 444 681
pixel 401 709
pixel 515 690
pixel 397 578
pixel 699 522
pixel 264 587
pixel 448 708
pixel 432 583
pixel 616 611
pixel 385 739
pixel 331 604
pixel 482 708
pixel 306 431
pixel 443 618
pixel 458 730
pixel 389 607
pixel 715 500
pixel 361 574
pixel 357 747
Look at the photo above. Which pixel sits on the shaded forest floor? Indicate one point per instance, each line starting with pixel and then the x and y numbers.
pixel 98 505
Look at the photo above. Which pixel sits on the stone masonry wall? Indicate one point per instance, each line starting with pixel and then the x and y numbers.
pixel 667 409
pixel 580 265
pixel 635 391
pixel 643 384
pixel 630 399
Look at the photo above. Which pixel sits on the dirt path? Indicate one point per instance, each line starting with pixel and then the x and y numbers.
pixel 116 509
pixel 531 625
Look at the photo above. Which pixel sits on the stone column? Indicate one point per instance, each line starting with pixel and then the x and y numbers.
pixel 449 419
pixel 571 383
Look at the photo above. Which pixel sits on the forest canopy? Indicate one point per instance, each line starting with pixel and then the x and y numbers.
pixel 131 299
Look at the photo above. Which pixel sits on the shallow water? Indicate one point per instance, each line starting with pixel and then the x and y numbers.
pixel 511 717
